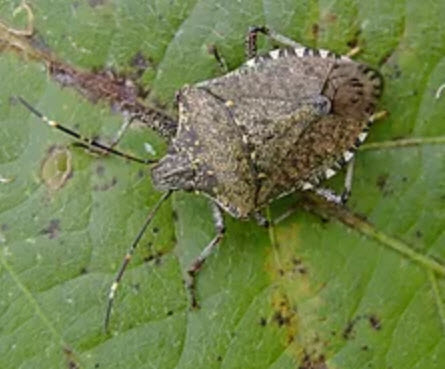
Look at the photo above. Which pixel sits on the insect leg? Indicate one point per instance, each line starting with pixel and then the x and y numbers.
pixel 205 253
pixel 329 195
pixel 348 181
pixel 261 219
pixel 212 49
pixel 129 255
pixel 251 39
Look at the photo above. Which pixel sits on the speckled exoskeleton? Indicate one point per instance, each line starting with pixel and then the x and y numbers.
pixel 282 122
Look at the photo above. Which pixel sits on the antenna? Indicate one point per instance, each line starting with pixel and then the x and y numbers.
pixel 129 255
pixel 84 141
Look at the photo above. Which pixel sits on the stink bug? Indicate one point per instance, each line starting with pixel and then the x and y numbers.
pixel 282 122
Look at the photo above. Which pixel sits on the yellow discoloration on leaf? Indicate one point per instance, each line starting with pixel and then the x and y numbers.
pixel 56 168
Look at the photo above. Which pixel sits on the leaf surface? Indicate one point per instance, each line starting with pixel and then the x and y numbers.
pixel 307 293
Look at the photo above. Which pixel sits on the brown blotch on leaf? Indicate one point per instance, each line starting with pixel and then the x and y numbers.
pixel 122 93
pixel 56 167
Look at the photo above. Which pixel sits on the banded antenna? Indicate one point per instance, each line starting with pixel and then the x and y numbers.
pixel 82 140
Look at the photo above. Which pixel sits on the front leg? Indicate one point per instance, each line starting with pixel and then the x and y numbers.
pixel 196 266
pixel 252 35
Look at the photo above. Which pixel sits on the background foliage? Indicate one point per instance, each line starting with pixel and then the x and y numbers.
pixel 308 294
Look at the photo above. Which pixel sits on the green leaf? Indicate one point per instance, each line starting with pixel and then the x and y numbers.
pixel 307 293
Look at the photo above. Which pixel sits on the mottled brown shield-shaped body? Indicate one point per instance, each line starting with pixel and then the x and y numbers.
pixel 281 122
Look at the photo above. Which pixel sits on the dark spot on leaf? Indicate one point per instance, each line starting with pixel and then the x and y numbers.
pixel 381 181
pixel 347 332
pixel 349 329
pixel 395 72
pixel 174 215
pixel 106 186
pixel 83 271
pixel 141 173
pixel 263 322
pixel 155 230
pixel 70 359
pixel 148 258
pixel 315 30
pixel 157 257
pixel 72 365
pixel 140 63
pixel 100 170
pixel 317 362
pixel 158 261
pixel 375 323
pixel 354 41
pixel 170 313
pixel 419 234
pixel 97 365
pixel 95 3
pixel 53 229
pixel 219 358
pixel 365 348
pixel 385 58
pixel 281 319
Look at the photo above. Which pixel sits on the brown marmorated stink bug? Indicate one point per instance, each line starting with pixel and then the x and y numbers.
pixel 282 122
